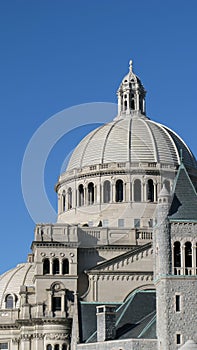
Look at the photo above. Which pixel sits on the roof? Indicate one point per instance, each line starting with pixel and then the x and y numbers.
pixel 184 203
pixel 189 345
pixel 132 138
pixel 135 318
pixel 12 280
pixel 110 262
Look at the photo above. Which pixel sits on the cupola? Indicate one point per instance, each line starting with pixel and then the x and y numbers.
pixel 131 94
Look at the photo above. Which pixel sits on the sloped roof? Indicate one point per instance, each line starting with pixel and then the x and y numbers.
pixel 190 344
pixel 134 251
pixel 184 203
pixel 135 317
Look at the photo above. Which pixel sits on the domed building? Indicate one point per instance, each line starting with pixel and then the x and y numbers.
pixel 118 270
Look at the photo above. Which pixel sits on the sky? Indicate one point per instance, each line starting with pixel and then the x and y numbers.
pixel 55 55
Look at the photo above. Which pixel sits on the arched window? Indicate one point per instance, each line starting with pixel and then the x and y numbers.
pixel 9 302
pixel 64 347
pixel 46 266
pixel 49 347
pixel 65 267
pixel 56 267
pixel 56 347
pixel 90 193
pixel 150 191
pixel 119 191
pixel 69 198
pixel 177 257
pixel 63 201
pixel 106 192
pixel 167 185
pixel 81 195
pixel 188 256
pixel 137 191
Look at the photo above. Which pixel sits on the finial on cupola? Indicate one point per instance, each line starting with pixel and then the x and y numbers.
pixel 131 66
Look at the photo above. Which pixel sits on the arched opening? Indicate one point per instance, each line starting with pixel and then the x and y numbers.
pixel 49 347
pixel 177 258
pixel 137 191
pixel 90 193
pixel 64 347
pixel 188 257
pixel 167 185
pixel 56 267
pixel 132 102
pixel 63 201
pixel 69 198
pixel 106 191
pixel 81 195
pixel 65 267
pixel 9 302
pixel 46 266
pixel 56 347
pixel 150 190
pixel 119 191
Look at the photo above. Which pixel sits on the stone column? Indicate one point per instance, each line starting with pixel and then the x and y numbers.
pixel 155 191
pixel 183 259
pixel 38 341
pixel 193 258
pixel 25 342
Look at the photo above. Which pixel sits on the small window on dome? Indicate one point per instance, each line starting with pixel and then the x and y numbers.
pixel 150 191
pixel 137 190
pixel 49 347
pixel 9 302
pixel 69 198
pixel 119 191
pixel 167 185
pixel 63 201
pixel 81 195
pixel 106 192
pixel 90 193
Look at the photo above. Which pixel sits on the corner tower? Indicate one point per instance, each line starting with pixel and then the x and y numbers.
pixel 176 264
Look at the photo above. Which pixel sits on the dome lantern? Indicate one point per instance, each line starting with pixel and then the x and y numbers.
pixel 131 94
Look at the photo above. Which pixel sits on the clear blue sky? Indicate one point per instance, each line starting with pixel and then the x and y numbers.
pixel 57 54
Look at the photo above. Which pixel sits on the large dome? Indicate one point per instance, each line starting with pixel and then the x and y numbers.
pixel 116 172
pixel 131 139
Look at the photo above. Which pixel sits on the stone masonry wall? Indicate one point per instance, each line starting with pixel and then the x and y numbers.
pixel 171 322
pixel 127 344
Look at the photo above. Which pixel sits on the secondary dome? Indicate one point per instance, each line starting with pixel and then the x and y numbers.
pixel 12 280
pixel 131 139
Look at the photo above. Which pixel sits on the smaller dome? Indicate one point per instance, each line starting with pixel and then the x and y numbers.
pixel 189 345
pixel 12 280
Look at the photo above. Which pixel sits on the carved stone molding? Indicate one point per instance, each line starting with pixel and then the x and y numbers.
pixel 38 336
pixel 56 336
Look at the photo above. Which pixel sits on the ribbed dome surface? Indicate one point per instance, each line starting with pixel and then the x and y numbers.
pixel 12 280
pixel 131 139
